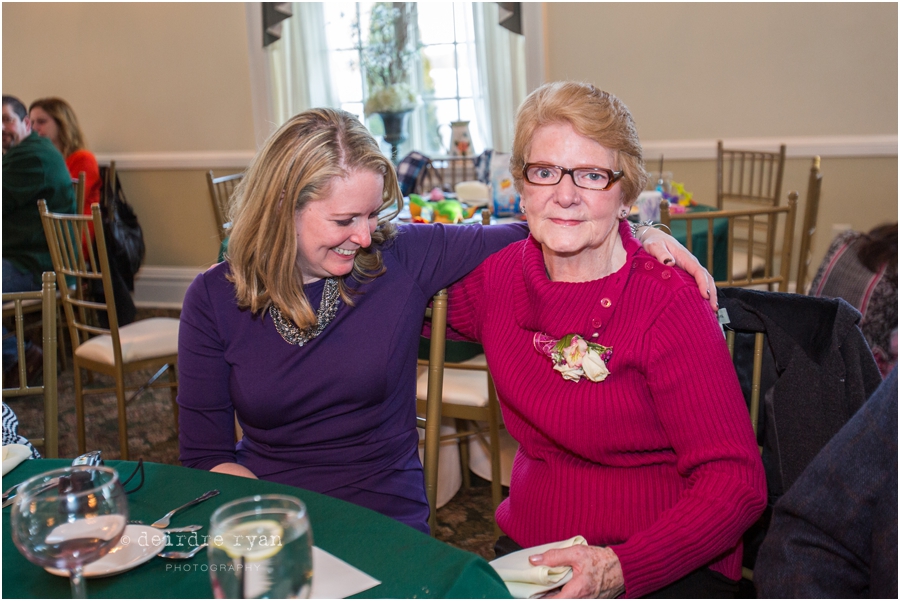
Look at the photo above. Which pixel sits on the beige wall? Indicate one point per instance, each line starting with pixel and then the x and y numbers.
pixel 708 71
pixel 163 78
pixel 143 78
pixel 735 70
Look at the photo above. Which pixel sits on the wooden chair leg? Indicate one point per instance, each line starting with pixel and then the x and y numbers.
pixel 123 424
pixel 461 426
pixel 79 409
pixel 496 472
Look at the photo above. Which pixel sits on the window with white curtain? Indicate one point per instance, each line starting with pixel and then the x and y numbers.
pixel 469 69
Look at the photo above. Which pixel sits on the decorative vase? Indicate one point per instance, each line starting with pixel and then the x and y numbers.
pixel 460 139
pixel 395 129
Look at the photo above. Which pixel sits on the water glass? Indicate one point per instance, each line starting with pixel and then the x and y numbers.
pixel 68 518
pixel 260 547
pixel 660 181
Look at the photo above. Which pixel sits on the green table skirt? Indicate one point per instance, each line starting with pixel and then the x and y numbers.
pixel 408 563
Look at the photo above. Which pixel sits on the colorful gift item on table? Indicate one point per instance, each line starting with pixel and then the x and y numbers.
pixel 679 198
pixel 442 211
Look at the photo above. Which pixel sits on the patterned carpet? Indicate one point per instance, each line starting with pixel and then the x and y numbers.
pixel 465 522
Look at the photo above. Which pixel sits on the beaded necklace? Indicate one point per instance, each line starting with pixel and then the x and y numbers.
pixel 331 300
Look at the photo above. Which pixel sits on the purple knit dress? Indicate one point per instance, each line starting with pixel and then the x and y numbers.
pixel 336 416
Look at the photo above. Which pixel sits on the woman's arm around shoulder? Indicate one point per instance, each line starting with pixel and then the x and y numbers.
pixel 669 251
pixel 436 255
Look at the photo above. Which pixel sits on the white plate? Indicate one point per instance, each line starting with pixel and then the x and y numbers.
pixel 123 557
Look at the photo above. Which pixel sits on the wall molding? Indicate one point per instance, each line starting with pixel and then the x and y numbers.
pixel 797 147
pixel 705 149
pixel 163 287
pixel 164 161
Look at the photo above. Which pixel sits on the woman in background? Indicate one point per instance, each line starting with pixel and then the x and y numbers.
pixel 54 119
pixel 862 269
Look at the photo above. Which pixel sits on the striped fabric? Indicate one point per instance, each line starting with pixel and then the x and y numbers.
pixel 874 294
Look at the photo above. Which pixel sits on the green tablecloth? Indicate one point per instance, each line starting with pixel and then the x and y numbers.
pixel 408 563
pixel 700 240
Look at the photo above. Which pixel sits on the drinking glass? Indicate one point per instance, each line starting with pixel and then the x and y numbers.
pixel 261 548
pixel 660 181
pixel 68 518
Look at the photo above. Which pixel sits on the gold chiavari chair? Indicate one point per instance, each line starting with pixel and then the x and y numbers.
pixel 14 304
pixel 220 191
pixel 810 219
pixel 114 351
pixel 762 227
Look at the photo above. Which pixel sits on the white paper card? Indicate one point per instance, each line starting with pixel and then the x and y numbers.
pixel 334 578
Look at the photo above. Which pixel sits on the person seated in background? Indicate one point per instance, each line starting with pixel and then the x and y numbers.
pixel 309 332
pixel 54 119
pixel 834 533
pixel 611 371
pixel 32 169
pixel 862 269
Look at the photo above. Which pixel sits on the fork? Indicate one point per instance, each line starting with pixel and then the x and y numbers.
pixel 163 522
pixel 181 554
pixel 9 491
pixel 192 528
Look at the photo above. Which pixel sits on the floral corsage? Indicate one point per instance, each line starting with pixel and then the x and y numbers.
pixel 573 356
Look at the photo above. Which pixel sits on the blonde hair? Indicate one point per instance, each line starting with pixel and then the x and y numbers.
pixel 297 165
pixel 71 137
pixel 594 114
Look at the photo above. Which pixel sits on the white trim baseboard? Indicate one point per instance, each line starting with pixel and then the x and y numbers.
pixel 797 147
pixel 163 287
pixel 163 161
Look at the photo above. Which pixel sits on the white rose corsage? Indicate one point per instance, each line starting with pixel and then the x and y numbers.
pixel 574 357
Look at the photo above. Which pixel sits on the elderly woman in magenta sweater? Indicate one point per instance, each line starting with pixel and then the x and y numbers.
pixel 611 371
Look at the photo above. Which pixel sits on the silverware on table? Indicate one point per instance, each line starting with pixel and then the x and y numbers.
pixel 8 495
pixel 181 554
pixel 12 499
pixel 191 528
pixel 163 522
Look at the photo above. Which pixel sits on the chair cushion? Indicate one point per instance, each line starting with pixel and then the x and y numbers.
pixel 449 470
pixel 145 339
pixel 461 386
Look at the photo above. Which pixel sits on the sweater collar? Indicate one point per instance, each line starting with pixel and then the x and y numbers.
pixel 561 308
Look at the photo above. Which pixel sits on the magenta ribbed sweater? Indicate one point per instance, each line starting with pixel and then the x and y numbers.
pixel 659 460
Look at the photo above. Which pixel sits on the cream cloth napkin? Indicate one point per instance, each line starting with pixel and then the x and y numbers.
pixel 13 455
pixel 526 581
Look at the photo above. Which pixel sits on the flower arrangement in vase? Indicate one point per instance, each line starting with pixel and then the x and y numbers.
pixel 388 58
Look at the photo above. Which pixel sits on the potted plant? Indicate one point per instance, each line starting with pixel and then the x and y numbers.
pixel 387 61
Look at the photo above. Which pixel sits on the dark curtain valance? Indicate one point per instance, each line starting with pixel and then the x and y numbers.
pixel 273 14
pixel 511 16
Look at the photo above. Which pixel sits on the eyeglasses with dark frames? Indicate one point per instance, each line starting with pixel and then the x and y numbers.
pixel 590 178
